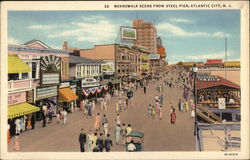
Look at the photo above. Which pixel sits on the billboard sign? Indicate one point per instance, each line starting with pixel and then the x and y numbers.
pixel 154 56
pixel 46 92
pixel 128 33
pixel 108 67
pixel 50 68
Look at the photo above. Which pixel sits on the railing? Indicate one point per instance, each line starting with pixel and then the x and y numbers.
pixel 209 114
pixel 20 84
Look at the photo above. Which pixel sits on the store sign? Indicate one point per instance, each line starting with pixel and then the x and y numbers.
pixel 154 56
pixel 65 85
pixel 46 92
pixel 222 103
pixel 89 82
pixel 50 78
pixel 16 98
pixel 30 96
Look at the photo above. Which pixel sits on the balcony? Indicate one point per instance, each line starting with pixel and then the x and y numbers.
pixel 17 85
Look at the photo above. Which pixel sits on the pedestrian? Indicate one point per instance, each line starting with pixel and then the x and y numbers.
pixel 32 121
pixel 161 99
pixel 16 142
pixel 82 140
pixel 72 106
pixel 117 133
pixel 50 115
pixel 182 106
pixel 100 142
pixel 104 120
pixel 118 121
pixel 192 113
pixel 93 105
pixel 128 131
pixel 186 105
pixel 123 131
pixel 89 141
pixel 106 128
pixel 97 122
pixel 65 118
pixel 8 134
pixel 57 118
pixel 102 103
pixel 44 119
pixel 94 141
pixel 96 148
pixel 149 110
pixel 173 117
pixel 160 112
pixel 145 89
pixel 108 143
pixel 153 112
pixel 120 105
pixel 89 109
pixel 132 102
pixel 179 104
pixel 157 106
pixel 131 146
pixel 105 104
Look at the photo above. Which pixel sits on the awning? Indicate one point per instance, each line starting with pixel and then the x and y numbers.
pixel 21 109
pixel 16 65
pixel 66 95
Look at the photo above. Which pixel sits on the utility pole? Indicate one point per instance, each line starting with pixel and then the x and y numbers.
pixel 225 56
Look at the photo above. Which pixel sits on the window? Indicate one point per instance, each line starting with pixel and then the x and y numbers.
pixel 13 76
pixel 25 75
pixel 78 70
pixel 34 69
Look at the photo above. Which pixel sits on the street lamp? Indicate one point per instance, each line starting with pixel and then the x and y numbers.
pixel 194 70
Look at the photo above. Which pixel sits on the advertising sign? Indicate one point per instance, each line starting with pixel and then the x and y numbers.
pixel 16 98
pixel 30 96
pixel 222 103
pixel 46 92
pixel 89 82
pixel 154 56
pixel 50 78
pixel 128 33
pixel 108 67
pixel 50 68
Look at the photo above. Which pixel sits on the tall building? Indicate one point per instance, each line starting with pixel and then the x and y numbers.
pixel 146 35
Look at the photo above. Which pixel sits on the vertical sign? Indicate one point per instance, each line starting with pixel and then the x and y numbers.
pixel 222 103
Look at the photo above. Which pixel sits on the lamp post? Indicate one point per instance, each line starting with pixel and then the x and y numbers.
pixel 194 70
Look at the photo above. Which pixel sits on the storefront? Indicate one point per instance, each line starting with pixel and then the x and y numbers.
pixel 19 88
pixel 67 98
pixel 48 96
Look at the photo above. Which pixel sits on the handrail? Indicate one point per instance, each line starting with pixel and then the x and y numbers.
pixel 210 113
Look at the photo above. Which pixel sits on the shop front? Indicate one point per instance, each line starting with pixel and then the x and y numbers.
pixel 67 99
pixel 19 111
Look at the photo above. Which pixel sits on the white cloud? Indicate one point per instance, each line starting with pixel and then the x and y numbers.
pixel 181 20
pixel 12 40
pixel 44 27
pixel 178 31
pixel 97 31
pixel 204 57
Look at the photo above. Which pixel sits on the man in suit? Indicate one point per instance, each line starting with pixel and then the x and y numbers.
pixel 82 140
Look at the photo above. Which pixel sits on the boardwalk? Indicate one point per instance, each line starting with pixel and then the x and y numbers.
pixel 160 135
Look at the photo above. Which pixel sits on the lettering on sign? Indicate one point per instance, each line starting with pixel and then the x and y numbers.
pixel 16 98
pixel 46 92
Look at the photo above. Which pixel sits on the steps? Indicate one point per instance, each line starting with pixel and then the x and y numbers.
pixel 207 115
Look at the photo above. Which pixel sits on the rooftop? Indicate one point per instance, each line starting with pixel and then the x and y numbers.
pixel 22 48
pixel 79 60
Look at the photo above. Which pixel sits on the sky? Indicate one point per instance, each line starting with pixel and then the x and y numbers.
pixel 187 35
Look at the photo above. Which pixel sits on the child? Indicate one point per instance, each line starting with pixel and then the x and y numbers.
pixel 57 118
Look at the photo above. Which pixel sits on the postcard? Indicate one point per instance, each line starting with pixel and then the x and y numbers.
pixel 130 79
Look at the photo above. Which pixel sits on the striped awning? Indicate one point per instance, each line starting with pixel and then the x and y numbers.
pixel 21 109
pixel 16 65
pixel 66 95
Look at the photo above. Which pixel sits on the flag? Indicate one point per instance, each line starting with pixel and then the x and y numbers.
pixel 86 92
